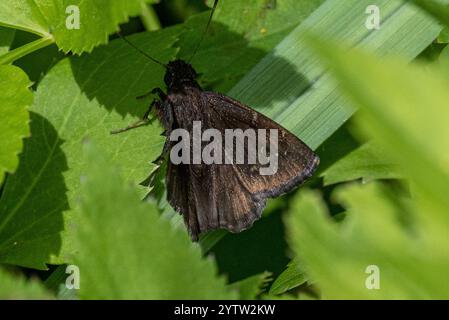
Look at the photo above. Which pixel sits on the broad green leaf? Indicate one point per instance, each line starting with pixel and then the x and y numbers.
pixel 80 98
pixel 368 162
pixel 290 85
pixel 98 19
pixel 18 288
pixel 340 259
pixel 6 38
pixel 251 287
pixel 24 15
pixel 15 98
pixel 143 257
pixel 291 278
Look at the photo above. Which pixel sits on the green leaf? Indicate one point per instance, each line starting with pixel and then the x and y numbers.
pixel 15 98
pixel 290 86
pixel 24 15
pixel 368 162
pixel 144 258
pixel 291 278
pixel 346 251
pixel 83 97
pixel 251 287
pixel 98 19
pixel 18 288
pixel 437 8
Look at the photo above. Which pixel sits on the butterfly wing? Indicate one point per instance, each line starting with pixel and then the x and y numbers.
pixel 296 161
pixel 232 196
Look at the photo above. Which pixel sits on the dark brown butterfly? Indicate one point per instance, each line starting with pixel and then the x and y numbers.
pixel 227 196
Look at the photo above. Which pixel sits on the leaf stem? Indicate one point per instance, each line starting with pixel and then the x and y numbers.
pixel 149 18
pixel 22 51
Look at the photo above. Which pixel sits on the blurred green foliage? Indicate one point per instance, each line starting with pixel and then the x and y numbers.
pixel 406 237
pixel 376 214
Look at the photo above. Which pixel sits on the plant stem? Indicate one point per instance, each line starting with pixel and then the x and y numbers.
pixel 149 18
pixel 22 51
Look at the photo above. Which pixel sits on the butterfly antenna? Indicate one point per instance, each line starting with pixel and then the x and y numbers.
pixel 205 31
pixel 140 50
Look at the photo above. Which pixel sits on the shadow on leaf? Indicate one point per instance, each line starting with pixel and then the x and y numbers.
pixel 31 221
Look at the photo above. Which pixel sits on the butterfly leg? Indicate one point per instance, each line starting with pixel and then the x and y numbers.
pixel 141 121
pixel 158 91
pixel 165 114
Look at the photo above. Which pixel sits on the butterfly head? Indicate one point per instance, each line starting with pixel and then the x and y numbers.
pixel 178 73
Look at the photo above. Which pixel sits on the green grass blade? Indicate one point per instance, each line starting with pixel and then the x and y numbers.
pixel 438 9
pixel 302 97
